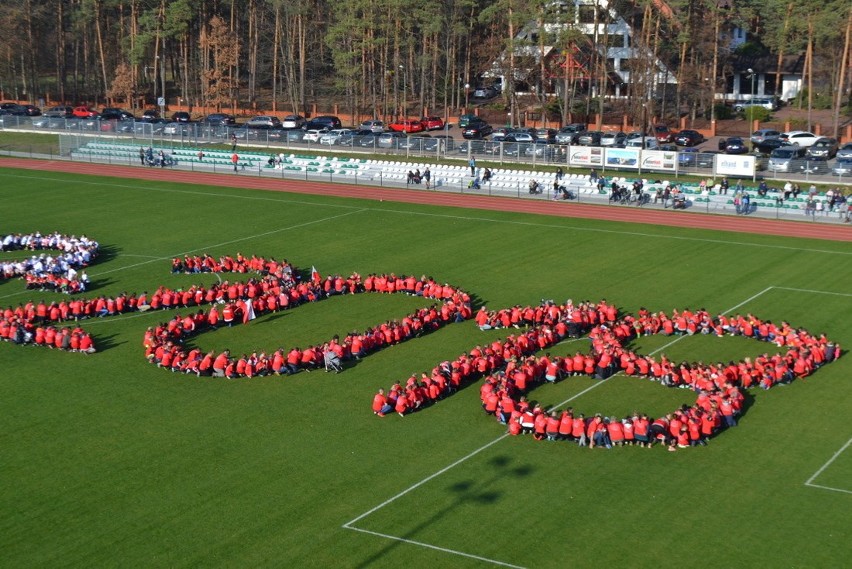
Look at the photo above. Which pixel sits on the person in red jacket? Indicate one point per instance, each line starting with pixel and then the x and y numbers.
pixel 380 404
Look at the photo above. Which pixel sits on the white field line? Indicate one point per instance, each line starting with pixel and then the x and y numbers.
pixel 813 291
pixel 207 247
pixel 809 481
pixel 350 524
pixel 435 547
pixel 456 217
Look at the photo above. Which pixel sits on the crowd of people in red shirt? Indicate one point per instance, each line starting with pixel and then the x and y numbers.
pixel 511 371
pixel 276 290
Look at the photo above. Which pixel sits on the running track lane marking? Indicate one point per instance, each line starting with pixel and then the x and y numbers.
pixel 459 217
pixel 204 248
pixel 350 524
pixel 809 481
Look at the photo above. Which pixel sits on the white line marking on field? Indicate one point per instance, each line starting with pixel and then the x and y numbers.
pixel 435 547
pixel 349 525
pixel 448 216
pixel 809 481
pixel 189 192
pixel 813 291
pixel 619 232
pixel 140 256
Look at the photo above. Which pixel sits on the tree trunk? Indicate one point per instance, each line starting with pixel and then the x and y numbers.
pixel 844 70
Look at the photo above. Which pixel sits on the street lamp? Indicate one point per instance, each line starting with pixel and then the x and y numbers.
pixel 750 106
pixel 466 96
pixel 404 93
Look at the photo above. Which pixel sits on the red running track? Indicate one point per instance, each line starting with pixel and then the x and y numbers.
pixel 808 229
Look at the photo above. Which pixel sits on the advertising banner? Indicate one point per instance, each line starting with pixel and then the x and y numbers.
pixel 663 160
pixel 729 165
pixel 623 158
pixel 586 156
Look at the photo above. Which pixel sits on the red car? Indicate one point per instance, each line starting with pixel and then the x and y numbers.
pixel 432 123
pixel 406 126
pixel 662 133
pixel 84 112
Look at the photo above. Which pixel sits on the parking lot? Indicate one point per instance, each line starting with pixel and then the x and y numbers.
pixel 447 143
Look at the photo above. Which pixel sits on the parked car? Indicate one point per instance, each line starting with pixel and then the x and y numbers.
pixel 500 133
pixel 842 167
pixel 446 143
pixel 150 114
pixel 220 119
pixel 538 149
pixel 61 111
pixel 413 142
pixel 475 146
pixel 367 140
pixel 181 116
pixel 613 138
pixel 312 135
pixel 292 135
pixel 570 133
pixel 432 123
pixel 823 148
pixel 519 136
pixel 783 159
pixel 406 125
pixel 333 136
pixel 762 134
pixel 646 142
pixel 149 127
pixel 845 151
pixel 267 121
pixel 323 122
pixel 769 103
pixel 547 135
pixel 292 121
pixel 733 145
pixel 477 129
pixel 389 139
pixel 464 120
pixel 112 113
pixel 590 138
pixel 373 125
pixel 800 137
pixel 26 111
pixel 688 137
pixel 84 112
pixel 663 133
pixel 769 144
pixel 812 165
pixel 488 92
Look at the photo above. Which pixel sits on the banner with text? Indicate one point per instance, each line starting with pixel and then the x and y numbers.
pixel 728 165
pixel 586 156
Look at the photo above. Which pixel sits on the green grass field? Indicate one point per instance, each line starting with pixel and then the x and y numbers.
pixel 107 461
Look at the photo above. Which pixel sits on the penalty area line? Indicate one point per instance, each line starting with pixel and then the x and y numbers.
pixel 350 525
pixel 809 481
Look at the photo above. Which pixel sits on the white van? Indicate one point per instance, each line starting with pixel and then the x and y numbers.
pixel 650 143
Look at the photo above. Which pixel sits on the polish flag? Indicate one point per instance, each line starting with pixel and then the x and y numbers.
pixel 248 311
pixel 315 276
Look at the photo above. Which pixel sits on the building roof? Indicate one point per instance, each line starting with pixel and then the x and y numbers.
pixel 790 64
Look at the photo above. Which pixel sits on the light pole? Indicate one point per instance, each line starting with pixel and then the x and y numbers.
pixel 466 96
pixel 404 93
pixel 749 107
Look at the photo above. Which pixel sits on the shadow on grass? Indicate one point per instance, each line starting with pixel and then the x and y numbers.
pixel 476 491
pixel 108 342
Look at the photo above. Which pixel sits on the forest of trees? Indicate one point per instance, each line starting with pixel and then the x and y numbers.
pixel 376 55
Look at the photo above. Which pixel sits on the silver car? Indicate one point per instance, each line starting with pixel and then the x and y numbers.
pixel 785 158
